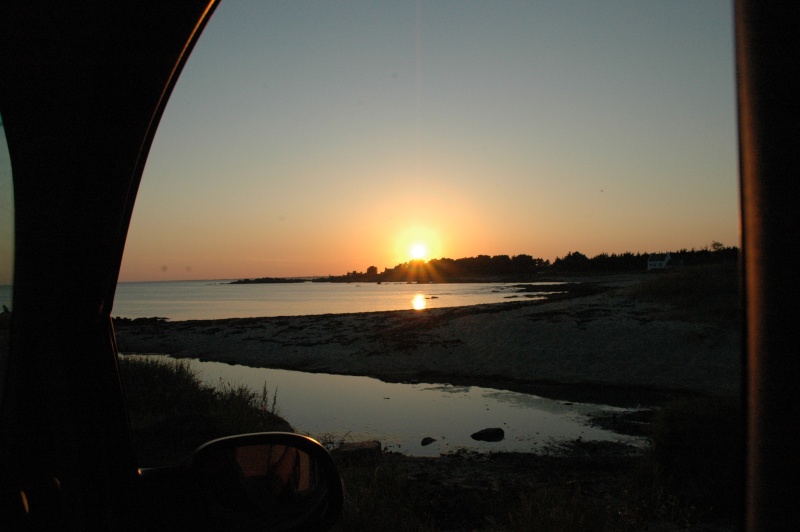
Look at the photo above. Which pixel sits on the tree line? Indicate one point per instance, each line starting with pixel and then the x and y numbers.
pixel 525 267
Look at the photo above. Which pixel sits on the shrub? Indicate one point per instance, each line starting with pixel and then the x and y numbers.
pixel 707 293
pixel 696 456
pixel 172 412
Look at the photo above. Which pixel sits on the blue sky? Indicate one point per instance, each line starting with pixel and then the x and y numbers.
pixel 315 138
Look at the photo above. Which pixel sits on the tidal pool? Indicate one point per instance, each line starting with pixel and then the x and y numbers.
pixel 341 407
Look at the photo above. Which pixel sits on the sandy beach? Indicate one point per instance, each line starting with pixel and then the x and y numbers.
pixel 598 338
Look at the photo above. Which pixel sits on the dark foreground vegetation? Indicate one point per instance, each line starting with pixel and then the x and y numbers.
pixel 689 476
pixel 172 412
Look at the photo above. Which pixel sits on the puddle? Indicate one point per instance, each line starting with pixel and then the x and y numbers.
pixel 400 416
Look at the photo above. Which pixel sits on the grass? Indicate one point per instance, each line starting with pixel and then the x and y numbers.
pixel 708 293
pixel 172 412
pixel 386 495
pixel 690 476
pixel 696 456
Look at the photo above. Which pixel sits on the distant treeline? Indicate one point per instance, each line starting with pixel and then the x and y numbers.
pixel 630 262
pixel 516 268
pixel 526 267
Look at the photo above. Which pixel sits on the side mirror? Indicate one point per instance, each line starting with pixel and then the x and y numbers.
pixel 262 481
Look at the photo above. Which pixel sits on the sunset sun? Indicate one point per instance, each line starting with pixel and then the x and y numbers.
pixel 418 251
pixel 417 243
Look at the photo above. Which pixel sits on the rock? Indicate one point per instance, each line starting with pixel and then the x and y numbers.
pixel 427 441
pixel 493 434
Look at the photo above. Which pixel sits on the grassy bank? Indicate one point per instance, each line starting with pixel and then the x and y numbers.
pixel 172 412
pixel 697 456
pixel 708 293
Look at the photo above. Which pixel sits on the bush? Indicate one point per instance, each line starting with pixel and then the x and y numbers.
pixel 696 456
pixel 707 293
pixel 172 412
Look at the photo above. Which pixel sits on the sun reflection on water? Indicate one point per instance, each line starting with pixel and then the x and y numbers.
pixel 419 302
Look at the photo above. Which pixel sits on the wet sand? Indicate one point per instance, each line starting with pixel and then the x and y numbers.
pixel 595 339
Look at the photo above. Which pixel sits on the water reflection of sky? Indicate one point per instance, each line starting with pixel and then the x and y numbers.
pixel 190 300
pixel 401 415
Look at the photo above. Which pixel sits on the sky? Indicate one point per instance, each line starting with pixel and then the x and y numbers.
pixel 316 138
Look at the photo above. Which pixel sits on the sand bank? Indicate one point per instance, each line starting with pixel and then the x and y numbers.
pixel 603 338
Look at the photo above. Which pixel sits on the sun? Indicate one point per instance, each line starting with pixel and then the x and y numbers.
pixel 418 251
pixel 415 243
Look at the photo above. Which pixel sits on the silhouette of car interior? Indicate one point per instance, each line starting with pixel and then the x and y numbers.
pixel 82 88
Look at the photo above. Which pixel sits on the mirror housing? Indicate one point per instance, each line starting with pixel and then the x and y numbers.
pixel 261 481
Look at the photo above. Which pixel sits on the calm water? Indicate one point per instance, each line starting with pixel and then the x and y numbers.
pixel 400 415
pixel 189 300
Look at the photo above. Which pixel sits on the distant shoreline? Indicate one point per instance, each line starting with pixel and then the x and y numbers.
pixel 269 280
pixel 455 280
pixel 201 300
pixel 600 342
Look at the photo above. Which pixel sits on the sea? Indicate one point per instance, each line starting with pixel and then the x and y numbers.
pixel 219 299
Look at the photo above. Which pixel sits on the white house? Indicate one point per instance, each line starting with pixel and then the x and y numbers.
pixel 658 261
